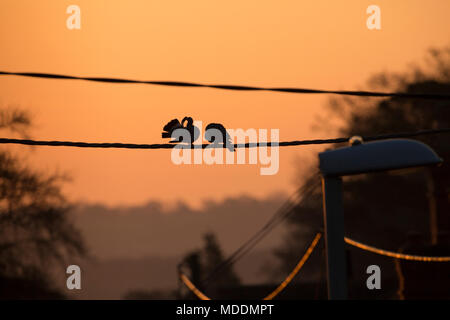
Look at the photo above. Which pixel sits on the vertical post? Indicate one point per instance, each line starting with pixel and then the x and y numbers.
pixel 334 237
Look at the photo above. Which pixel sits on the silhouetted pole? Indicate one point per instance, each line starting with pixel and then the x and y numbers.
pixel 439 200
pixel 359 158
pixel 333 217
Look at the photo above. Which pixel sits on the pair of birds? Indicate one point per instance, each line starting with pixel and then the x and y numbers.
pixel 188 124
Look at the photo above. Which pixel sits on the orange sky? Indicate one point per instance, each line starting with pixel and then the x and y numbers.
pixel 316 44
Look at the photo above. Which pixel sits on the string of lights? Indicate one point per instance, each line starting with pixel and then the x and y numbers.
pixel 306 256
pixel 297 268
pixel 396 255
pixel 286 210
pixel 192 287
pixel 280 215
pixel 231 87
pixel 277 290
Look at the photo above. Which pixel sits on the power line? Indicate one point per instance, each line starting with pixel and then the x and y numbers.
pixel 280 215
pixel 188 283
pixel 119 145
pixel 252 241
pixel 278 289
pixel 283 213
pixel 231 87
pixel 250 245
pixel 306 256
pixel 297 268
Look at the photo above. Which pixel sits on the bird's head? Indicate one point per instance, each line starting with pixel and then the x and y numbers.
pixel 189 121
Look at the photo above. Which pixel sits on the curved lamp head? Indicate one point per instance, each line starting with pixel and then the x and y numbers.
pixel 377 156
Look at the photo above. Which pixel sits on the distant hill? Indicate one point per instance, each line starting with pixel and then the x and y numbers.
pixel 112 279
pixel 139 247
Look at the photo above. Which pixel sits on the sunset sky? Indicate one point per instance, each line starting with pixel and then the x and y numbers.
pixel 312 44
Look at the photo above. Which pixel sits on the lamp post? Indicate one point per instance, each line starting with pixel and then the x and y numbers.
pixel 359 158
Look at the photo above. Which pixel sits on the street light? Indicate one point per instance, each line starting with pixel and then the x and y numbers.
pixel 359 158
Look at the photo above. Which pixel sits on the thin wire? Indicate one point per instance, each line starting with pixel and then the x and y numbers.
pixel 306 256
pixel 277 290
pixel 281 214
pixel 119 145
pixel 322 273
pixel 239 252
pixel 396 255
pixel 230 87
pixel 297 268
pixel 401 279
pixel 193 288
pixel 267 230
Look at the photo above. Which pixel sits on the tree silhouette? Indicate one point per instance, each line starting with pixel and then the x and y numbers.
pixel 213 257
pixel 201 263
pixel 384 208
pixel 36 232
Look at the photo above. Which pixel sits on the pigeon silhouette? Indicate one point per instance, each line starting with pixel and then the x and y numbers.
pixel 227 143
pixel 186 123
